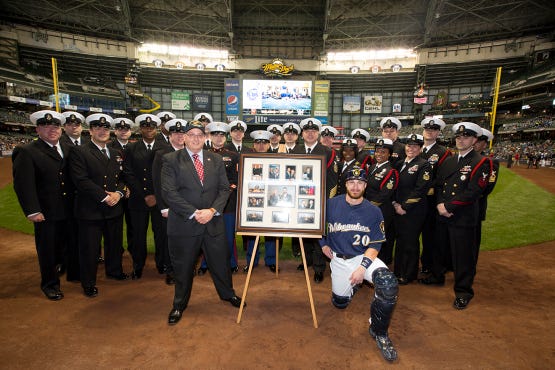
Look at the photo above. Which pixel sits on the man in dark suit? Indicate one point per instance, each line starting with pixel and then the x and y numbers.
pixel 137 169
pixel 311 131
pixel 73 129
pixel 41 181
pixel 435 154
pixel 122 130
pixel 461 180
pixel 196 189
pixel 96 173
pixel 176 128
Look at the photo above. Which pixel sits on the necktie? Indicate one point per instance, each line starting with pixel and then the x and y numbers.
pixel 123 147
pixel 239 149
pixel 425 150
pixel 404 165
pixel 105 152
pixel 460 159
pixel 58 152
pixel 148 147
pixel 198 167
pixel 290 150
pixel 76 142
pixel 308 151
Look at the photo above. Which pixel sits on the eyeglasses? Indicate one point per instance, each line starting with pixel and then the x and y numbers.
pixel 196 136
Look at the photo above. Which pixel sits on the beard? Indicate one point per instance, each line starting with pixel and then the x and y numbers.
pixel 355 196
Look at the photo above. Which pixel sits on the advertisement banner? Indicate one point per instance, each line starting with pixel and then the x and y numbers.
pixel 232 84
pixel 202 102
pixel 373 104
pixel 271 119
pixel 181 100
pixel 321 98
pixel 351 104
pixel 232 102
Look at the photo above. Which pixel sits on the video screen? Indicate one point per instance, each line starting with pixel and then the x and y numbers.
pixel 280 97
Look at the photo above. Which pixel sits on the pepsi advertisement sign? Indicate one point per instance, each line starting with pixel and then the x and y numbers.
pixel 232 102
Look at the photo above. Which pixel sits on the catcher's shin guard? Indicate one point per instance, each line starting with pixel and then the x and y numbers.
pixel 385 299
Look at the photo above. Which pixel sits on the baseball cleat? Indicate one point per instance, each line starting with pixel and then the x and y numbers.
pixel 385 345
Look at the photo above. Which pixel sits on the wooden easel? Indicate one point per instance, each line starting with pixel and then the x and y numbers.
pixel 246 288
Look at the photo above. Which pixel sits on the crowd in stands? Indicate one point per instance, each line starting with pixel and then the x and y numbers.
pixel 8 141
pixel 532 154
pixel 537 123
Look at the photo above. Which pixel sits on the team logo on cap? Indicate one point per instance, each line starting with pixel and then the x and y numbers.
pixel 356 171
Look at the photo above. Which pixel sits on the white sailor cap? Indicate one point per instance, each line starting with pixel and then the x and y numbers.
pixel 415 139
pixel 467 129
pixel 349 142
pixel 47 117
pixel 261 135
pixel 390 122
pixel 290 127
pixel 146 120
pixel 217 127
pixel 203 117
pixel 328 131
pixel 384 143
pixel 165 117
pixel 486 135
pixel 237 125
pixel 275 129
pixel 360 133
pixel 99 120
pixel 433 123
pixel 73 118
pixel 123 122
pixel 310 124
pixel 175 125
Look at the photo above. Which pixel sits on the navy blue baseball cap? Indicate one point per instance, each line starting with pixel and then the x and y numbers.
pixel 356 173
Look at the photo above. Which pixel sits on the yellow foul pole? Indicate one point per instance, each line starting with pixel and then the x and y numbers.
pixel 495 97
pixel 55 79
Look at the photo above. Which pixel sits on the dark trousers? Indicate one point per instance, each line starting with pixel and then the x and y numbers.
pixel 464 256
pixel 91 234
pixel 407 244
pixel 184 251
pixel 166 261
pixel 140 221
pixel 49 242
pixel 314 255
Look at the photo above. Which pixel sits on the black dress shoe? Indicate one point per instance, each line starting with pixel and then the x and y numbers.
pixel 137 274
pixel 402 281
pixel 122 276
pixel 300 267
pixel 234 269
pixel 201 271
pixel 100 259
pixel 170 280
pixel 430 280
pixel 54 294
pixel 236 301
pixel 90 291
pixel 272 268
pixel 460 303
pixel 318 277
pixel 246 269
pixel 425 270
pixel 174 316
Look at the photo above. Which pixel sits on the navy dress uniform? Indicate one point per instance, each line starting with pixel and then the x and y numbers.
pixel 205 119
pixel 415 179
pixel 77 119
pixel 398 155
pixel 125 123
pixel 164 134
pixel 380 191
pixel 173 126
pixel 137 169
pixel 327 135
pixel 313 251
pixel 346 164
pixel 43 189
pixel 461 180
pixel 237 145
pixel 277 133
pixel 364 158
pixel 231 163
pixel 291 132
pixel 96 170
pixel 435 154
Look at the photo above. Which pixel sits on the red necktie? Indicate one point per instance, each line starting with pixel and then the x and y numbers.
pixel 198 167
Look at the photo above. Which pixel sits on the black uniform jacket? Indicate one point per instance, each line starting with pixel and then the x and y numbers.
pixel 93 174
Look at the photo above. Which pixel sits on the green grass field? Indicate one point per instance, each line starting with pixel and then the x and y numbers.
pixel 519 213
